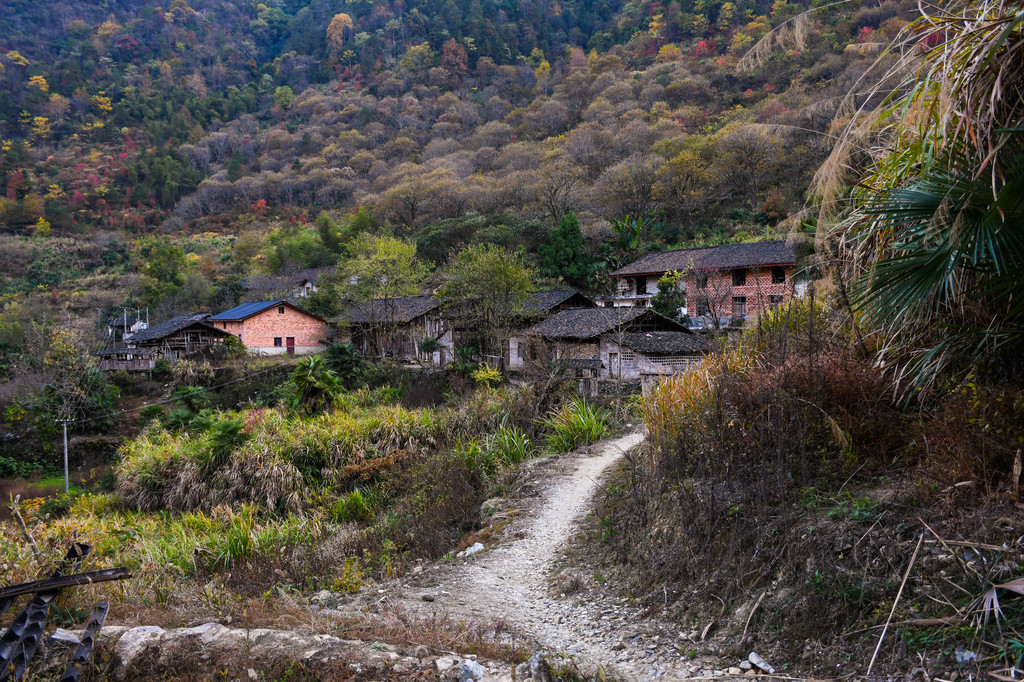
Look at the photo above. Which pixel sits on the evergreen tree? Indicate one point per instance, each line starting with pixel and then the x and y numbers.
pixel 565 254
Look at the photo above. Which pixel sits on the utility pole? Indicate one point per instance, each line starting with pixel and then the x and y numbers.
pixel 67 477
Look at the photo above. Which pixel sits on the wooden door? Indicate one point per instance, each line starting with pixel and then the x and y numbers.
pixel 290 343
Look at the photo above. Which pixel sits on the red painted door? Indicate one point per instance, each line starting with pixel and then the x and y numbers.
pixel 290 343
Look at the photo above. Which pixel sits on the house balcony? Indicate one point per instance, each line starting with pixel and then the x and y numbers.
pixel 625 301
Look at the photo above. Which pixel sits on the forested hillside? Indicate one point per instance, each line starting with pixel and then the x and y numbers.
pixel 159 156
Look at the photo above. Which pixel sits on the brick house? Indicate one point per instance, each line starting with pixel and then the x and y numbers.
pixel 724 284
pixel 274 328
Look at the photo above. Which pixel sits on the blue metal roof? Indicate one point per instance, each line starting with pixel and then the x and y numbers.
pixel 245 310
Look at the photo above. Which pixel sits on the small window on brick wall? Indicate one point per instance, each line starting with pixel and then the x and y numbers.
pixel 280 310
pixel 739 277
pixel 775 299
pixel 778 275
pixel 277 340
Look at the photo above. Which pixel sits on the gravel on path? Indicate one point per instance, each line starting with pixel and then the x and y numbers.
pixel 511 581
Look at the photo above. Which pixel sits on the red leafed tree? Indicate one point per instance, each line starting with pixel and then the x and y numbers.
pixel 454 58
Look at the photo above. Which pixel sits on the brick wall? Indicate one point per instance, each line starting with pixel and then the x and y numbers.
pixel 720 293
pixel 259 331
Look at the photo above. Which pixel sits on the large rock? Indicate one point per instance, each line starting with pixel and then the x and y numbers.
pixel 211 649
pixel 134 642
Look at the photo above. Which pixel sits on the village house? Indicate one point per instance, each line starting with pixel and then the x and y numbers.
pixel 724 284
pixel 170 340
pixel 407 329
pixel 293 287
pixel 274 328
pixel 626 344
pixel 126 324
pixel 305 282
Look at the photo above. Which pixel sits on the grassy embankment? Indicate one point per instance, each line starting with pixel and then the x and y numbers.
pixel 236 514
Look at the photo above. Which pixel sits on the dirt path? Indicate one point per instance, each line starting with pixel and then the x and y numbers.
pixel 512 581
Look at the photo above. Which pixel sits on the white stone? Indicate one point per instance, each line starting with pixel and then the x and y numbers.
pixel 444 663
pixel 62 635
pixel 470 551
pixel 471 670
pixel 135 640
pixel 760 663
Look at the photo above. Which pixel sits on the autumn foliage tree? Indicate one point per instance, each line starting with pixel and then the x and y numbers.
pixel 454 59
pixel 336 30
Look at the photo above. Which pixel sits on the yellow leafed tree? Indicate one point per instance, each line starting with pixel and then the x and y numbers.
pixel 336 30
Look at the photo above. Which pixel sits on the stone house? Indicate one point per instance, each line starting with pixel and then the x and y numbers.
pixel 274 328
pixel 398 327
pixel 609 343
pixel 169 340
pixel 724 284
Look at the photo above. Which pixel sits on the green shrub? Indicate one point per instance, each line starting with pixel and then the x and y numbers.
pixel 576 424
pixel 161 370
pixel 179 419
pixel 59 506
pixel 510 445
pixel 344 360
pixel 351 507
pixel 224 436
pixel 151 413
pixel 14 468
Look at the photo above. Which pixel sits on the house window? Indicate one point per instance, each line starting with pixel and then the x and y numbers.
pixel 702 307
pixel 739 277
pixel 702 281
pixel 778 275
pixel 280 310
pixel 641 285
pixel 277 340
pixel 739 306
pixel 774 299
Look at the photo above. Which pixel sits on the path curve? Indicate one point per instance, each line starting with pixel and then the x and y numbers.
pixel 511 581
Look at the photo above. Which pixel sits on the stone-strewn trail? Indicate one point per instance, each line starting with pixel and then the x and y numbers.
pixel 512 581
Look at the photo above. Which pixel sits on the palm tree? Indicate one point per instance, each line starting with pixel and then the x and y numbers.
pixel 314 385
pixel 934 238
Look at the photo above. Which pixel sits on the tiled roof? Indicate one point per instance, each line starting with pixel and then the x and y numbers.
pixel 124 350
pixel 540 302
pixel 312 274
pixel 586 323
pixel 754 254
pixel 400 310
pixel 674 343
pixel 168 327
